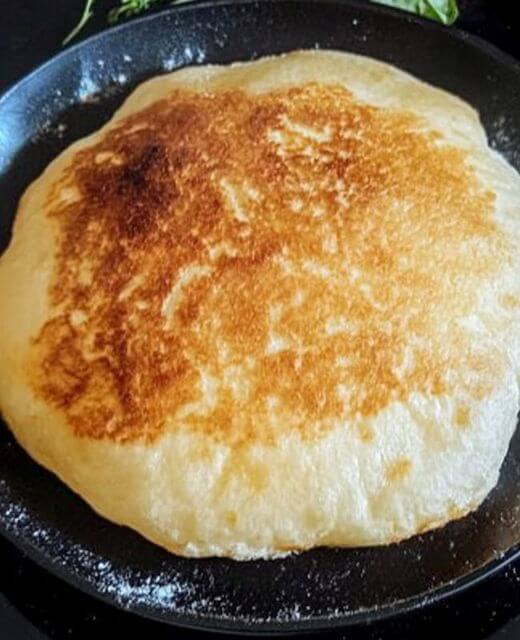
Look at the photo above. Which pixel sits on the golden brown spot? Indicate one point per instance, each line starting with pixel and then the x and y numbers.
pixel 256 476
pixel 431 524
pixel 231 518
pixel 254 265
pixel 455 512
pixel 509 301
pixel 252 473
pixel 398 470
pixel 365 433
pixel 200 452
pixel 462 416
pixel 313 518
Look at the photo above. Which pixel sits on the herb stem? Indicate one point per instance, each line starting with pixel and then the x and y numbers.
pixel 85 17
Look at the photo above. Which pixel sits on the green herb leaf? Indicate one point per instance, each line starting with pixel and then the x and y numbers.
pixel 129 8
pixel 444 11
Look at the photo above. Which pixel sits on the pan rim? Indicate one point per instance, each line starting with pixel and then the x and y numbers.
pixel 237 625
pixel 462 36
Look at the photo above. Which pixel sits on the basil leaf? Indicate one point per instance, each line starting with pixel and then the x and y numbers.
pixel 444 11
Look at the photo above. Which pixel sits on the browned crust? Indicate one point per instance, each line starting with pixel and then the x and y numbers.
pixel 206 225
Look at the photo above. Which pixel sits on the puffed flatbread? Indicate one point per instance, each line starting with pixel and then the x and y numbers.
pixel 269 306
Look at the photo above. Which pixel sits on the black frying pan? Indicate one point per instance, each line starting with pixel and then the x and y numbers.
pixel 319 589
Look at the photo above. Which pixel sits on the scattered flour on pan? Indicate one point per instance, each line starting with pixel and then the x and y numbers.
pixel 190 55
pixel 503 136
pixel 170 63
pixel 93 82
pixel 500 132
pixel 194 55
pixel 156 592
pixel 50 129
pixel 127 587
pixel 88 87
pixel 15 515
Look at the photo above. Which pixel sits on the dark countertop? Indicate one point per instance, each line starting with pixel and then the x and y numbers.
pixel 37 606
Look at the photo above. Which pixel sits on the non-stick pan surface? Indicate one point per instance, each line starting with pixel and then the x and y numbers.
pixel 73 95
